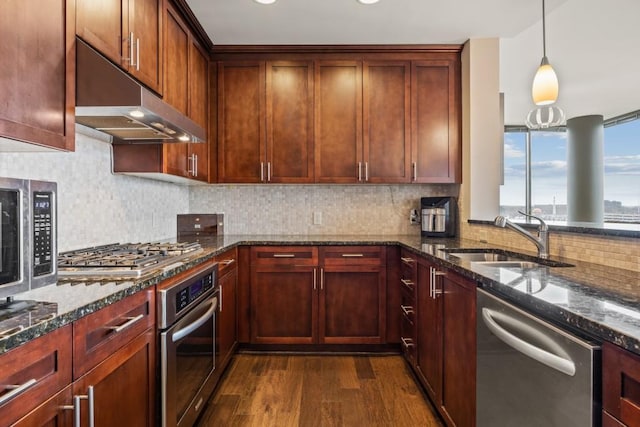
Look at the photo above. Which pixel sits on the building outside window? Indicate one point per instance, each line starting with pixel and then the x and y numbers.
pixel 535 172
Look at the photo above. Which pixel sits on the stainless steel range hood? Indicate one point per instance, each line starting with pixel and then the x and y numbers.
pixel 110 101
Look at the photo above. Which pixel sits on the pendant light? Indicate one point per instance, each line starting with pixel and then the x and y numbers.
pixel 545 83
pixel 544 91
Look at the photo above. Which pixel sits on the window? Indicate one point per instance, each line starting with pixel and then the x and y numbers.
pixel 535 172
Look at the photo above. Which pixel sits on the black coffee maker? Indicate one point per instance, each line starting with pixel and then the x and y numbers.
pixel 439 216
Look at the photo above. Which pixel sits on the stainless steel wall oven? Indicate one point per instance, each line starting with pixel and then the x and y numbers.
pixel 186 321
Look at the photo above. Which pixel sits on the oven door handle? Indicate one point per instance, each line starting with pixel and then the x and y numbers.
pixel 192 326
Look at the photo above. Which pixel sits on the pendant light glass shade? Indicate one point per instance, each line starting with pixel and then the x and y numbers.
pixel 545 84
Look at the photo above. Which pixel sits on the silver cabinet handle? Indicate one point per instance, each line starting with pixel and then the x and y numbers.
pixel 314 279
pixel 321 278
pixel 76 407
pixel 130 322
pixel 196 164
pixel 16 390
pixel 408 283
pixel 261 171
pixel 432 282
pixel 131 63
pixel 414 166
pixel 284 255
pixel 366 171
pixel 190 166
pixel 220 299
pixel 407 309
pixel 566 366
pixel 228 261
pixel 268 171
pixel 407 342
pixel 359 171
pixel 407 260
pixel 352 255
pixel 137 54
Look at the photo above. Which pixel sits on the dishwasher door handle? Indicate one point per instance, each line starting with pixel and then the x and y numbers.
pixel 543 356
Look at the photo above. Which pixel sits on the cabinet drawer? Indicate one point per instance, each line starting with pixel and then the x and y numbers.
pixel 408 339
pixel 100 334
pixel 227 262
pixel 408 308
pixel 35 371
pixel 352 255
pixel 57 411
pixel 284 255
pixel 621 384
pixel 408 266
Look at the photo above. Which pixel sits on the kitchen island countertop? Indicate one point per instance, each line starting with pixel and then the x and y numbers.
pixel 597 301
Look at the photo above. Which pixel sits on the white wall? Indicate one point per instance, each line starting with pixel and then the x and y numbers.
pixel 94 206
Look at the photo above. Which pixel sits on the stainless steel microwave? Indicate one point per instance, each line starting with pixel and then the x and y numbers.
pixel 28 234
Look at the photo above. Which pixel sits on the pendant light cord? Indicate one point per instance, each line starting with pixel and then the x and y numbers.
pixel 544 34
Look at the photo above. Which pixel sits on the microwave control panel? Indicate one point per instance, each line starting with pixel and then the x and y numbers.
pixel 43 233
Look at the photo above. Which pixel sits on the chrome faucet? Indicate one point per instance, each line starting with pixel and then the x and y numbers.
pixel 541 242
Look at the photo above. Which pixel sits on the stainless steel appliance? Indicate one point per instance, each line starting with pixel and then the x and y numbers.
pixel 530 373
pixel 128 260
pixel 27 235
pixel 439 216
pixel 186 321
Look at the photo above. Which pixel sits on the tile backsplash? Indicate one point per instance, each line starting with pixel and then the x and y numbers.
pixel 296 209
pixel 94 206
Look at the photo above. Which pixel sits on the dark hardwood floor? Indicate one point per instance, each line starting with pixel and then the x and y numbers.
pixel 310 391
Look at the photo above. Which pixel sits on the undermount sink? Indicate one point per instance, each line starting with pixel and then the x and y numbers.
pixel 498 258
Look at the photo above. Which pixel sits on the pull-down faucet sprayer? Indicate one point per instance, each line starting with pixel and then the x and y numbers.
pixel 541 241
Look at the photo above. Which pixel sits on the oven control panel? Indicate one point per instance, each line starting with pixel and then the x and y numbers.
pixel 191 292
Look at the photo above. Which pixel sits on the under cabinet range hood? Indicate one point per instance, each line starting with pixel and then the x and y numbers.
pixel 110 101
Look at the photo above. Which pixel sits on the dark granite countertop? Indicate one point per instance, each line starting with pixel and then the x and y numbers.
pixel 598 301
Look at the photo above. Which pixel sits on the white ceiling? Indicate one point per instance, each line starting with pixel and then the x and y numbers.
pixel 593 45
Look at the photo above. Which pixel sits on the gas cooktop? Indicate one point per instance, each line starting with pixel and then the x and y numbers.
pixel 128 260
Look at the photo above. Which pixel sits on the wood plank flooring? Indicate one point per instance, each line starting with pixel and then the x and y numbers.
pixel 318 391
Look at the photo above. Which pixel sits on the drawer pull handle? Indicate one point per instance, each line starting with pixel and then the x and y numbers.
pixel 228 261
pixel 407 260
pixel 353 255
pixel 407 309
pixel 407 342
pixel 16 390
pixel 284 255
pixel 408 283
pixel 130 321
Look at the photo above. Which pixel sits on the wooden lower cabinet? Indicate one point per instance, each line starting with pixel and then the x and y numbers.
pixel 446 341
pixel 226 326
pixel 620 387
pixel 300 297
pixel 123 386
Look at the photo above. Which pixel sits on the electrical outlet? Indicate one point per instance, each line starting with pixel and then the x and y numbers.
pixel 317 218
pixel 414 218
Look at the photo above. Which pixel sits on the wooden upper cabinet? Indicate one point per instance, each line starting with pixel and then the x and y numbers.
pixel 338 121
pixel 289 121
pixel 37 83
pixel 435 127
pixel 176 58
pixel 241 136
pixel 128 32
pixel 386 121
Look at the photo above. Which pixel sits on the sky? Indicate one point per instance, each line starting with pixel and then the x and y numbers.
pixel 549 167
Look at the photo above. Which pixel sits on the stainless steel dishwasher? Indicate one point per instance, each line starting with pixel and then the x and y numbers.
pixel 530 373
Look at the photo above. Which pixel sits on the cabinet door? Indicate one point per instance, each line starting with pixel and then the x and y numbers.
pixel 338 122
pixel 289 123
pixel 459 349
pixel 352 305
pixel 284 302
pixel 435 130
pixel 386 121
pixel 55 412
pixel 99 23
pixel 621 384
pixel 226 327
pixel 429 332
pixel 198 109
pixel 37 82
pixel 123 385
pixel 145 20
pixel 241 135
